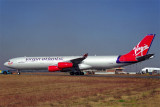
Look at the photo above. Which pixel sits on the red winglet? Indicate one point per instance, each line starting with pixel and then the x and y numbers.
pixel 85 55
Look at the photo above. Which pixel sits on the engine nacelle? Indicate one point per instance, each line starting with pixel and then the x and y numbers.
pixel 53 68
pixel 62 65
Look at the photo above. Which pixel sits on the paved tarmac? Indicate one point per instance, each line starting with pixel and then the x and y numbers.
pixel 97 75
pixel 127 76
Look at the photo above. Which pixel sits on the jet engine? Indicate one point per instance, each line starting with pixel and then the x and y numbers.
pixel 53 68
pixel 65 65
pixel 60 66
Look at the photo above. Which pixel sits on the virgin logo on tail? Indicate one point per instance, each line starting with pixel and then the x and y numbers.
pixel 143 47
pixel 138 50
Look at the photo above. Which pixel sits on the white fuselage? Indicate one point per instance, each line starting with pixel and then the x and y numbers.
pixel 42 63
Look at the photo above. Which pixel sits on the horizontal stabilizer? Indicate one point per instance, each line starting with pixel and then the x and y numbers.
pixel 142 58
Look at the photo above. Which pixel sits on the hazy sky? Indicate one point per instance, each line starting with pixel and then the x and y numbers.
pixel 75 27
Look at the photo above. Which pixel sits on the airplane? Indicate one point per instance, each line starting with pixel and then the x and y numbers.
pixel 74 64
pixel 149 70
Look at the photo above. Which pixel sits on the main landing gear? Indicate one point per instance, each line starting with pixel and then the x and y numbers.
pixel 76 73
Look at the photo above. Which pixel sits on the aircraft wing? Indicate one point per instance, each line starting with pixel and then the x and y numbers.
pixel 73 63
pixel 79 60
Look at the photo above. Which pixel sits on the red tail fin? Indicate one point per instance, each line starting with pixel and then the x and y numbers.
pixel 138 51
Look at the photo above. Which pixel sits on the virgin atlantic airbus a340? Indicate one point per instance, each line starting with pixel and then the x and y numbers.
pixel 74 64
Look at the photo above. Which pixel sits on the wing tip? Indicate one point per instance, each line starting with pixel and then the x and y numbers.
pixel 85 55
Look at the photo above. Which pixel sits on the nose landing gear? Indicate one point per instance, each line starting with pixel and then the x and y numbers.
pixel 18 72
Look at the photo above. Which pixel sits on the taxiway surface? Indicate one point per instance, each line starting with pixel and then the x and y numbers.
pixel 96 75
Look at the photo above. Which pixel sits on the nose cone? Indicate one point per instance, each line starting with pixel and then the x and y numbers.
pixel 9 64
pixel 6 64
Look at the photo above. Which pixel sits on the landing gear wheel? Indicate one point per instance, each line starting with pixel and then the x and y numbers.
pixel 81 73
pixel 71 73
pixel 77 73
pixel 18 73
